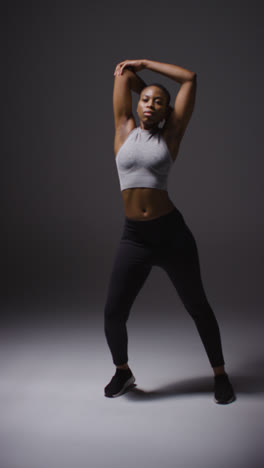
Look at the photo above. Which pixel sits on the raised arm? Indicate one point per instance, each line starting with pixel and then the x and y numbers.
pixel 122 97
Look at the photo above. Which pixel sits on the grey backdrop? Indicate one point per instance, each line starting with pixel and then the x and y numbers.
pixel 61 221
pixel 63 211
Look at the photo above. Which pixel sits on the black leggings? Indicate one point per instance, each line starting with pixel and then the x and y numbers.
pixel 168 243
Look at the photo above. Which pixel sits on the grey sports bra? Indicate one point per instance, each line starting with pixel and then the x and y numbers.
pixel 144 160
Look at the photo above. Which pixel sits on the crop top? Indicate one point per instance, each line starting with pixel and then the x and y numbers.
pixel 143 160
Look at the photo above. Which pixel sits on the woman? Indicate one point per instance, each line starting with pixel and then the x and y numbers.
pixel 154 232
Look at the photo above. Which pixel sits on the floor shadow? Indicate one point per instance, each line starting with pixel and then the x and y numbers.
pixel 242 384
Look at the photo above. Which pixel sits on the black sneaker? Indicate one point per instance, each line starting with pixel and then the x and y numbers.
pixel 223 390
pixel 122 379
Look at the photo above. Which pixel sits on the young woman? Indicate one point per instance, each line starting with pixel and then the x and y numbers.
pixel 154 231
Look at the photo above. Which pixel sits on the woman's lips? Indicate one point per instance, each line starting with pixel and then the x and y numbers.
pixel 148 113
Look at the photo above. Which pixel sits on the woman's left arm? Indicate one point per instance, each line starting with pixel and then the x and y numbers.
pixel 179 74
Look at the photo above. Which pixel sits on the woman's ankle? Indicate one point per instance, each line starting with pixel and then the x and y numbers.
pixel 123 366
pixel 220 370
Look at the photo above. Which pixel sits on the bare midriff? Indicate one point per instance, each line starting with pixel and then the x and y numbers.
pixel 142 204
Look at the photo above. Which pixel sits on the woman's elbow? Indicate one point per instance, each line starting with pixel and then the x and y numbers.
pixel 193 76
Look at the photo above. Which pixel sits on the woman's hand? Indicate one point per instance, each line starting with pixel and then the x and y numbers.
pixel 133 65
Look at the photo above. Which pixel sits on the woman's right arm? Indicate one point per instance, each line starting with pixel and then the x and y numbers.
pixel 122 97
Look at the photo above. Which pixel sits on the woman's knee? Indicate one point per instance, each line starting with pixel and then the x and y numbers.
pixel 115 312
pixel 200 310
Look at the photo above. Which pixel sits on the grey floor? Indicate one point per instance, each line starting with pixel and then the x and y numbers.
pixel 54 413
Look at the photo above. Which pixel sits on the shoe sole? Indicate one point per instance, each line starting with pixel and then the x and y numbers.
pixel 220 402
pixel 127 384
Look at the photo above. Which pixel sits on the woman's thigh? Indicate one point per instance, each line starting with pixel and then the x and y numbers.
pixel 130 269
pixel 180 259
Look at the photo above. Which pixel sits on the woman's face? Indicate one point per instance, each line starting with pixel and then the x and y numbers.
pixel 152 106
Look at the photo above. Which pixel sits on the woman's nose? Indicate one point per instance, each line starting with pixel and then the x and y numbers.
pixel 150 104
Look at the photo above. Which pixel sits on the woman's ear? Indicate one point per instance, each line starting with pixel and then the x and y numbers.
pixel 169 111
pixel 166 117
